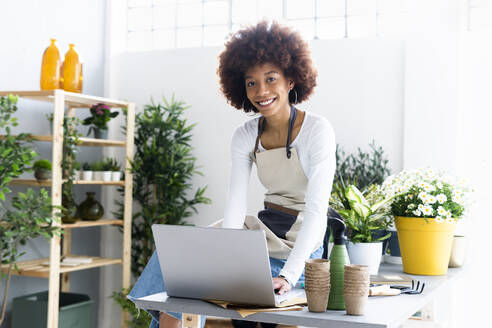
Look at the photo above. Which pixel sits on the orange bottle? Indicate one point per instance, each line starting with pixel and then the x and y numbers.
pixel 72 71
pixel 50 67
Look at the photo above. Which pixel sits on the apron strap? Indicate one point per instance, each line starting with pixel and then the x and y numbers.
pixel 261 127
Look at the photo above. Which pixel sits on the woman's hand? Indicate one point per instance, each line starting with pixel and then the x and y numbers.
pixel 281 284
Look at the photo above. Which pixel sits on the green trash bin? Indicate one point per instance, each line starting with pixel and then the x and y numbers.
pixel 75 311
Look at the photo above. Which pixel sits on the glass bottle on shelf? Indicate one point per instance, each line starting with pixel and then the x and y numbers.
pixel 72 71
pixel 50 67
pixel 90 209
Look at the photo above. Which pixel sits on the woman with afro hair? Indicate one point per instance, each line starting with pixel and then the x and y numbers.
pixel 267 69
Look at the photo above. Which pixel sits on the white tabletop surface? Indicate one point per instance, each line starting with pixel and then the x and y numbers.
pixel 381 311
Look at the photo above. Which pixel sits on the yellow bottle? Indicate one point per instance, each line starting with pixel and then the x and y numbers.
pixel 72 71
pixel 50 67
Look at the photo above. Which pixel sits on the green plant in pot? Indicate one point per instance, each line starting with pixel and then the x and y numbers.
pixel 163 168
pixel 427 205
pixel 98 121
pixel 42 169
pixel 364 215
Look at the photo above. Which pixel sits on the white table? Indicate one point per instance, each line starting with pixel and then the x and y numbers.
pixel 381 312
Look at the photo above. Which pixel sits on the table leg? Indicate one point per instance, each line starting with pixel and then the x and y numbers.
pixel 190 321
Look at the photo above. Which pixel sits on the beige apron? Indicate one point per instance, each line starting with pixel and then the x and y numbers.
pixel 281 173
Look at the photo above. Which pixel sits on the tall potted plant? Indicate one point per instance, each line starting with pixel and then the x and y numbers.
pixel 163 167
pixel 364 215
pixel 427 203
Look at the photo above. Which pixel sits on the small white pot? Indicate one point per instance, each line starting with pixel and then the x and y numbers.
pixel 77 174
pixel 116 176
pixel 366 254
pixel 106 175
pixel 98 175
pixel 87 175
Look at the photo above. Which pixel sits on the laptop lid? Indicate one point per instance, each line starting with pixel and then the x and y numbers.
pixel 215 263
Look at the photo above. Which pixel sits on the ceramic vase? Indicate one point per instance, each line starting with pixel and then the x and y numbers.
pixel 90 209
pixel 366 254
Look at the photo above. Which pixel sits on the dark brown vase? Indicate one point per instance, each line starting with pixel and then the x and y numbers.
pixel 90 209
pixel 69 212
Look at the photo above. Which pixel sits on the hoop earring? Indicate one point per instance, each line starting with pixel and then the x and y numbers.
pixel 295 93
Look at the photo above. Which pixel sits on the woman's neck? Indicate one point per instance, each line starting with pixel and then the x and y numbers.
pixel 277 123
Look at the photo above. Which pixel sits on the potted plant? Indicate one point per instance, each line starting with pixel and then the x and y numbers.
pixel 30 216
pixel 365 216
pixel 97 168
pixel 76 170
pixel 114 168
pixel 106 167
pixel 101 115
pixel 42 169
pixel 86 172
pixel 426 207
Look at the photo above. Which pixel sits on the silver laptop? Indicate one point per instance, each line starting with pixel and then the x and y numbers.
pixel 217 264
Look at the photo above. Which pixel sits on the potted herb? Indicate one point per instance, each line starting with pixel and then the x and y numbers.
pixel 86 172
pixel 76 166
pixel 427 203
pixel 101 115
pixel 42 169
pixel 365 216
pixel 114 167
pixel 97 168
pixel 106 167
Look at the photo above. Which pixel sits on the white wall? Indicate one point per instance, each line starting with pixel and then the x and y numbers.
pixel 26 27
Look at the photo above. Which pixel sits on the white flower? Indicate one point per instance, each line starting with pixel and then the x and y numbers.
pixel 439 184
pixel 450 220
pixel 421 207
pixel 439 219
pixel 423 196
pixel 428 210
pixel 441 198
pixel 441 211
pixel 448 214
pixel 417 213
pixel 432 199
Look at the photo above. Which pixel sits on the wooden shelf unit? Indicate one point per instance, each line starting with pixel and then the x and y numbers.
pixel 65 104
pixel 40 268
pixel 89 142
pixel 48 183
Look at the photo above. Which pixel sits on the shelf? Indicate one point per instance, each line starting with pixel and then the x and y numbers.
pixel 90 142
pixel 36 268
pixel 71 98
pixel 86 224
pixel 47 183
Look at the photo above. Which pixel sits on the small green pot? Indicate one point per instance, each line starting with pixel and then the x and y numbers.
pixel 100 134
pixel 42 174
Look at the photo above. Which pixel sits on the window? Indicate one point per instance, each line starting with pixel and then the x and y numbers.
pixel 160 24
pixel 479 15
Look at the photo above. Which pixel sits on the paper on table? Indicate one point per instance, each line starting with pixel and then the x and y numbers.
pixel 294 304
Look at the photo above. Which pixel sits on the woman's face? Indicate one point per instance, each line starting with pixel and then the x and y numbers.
pixel 267 89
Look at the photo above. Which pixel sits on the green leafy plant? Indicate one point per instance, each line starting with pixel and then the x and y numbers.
pixel 107 164
pixel 42 164
pixel 15 152
pixel 162 168
pixel 76 165
pixel 363 215
pixel 140 319
pixel 31 216
pixel 97 166
pixel 363 168
pixel 86 167
pixel 101 115
pixel 112 164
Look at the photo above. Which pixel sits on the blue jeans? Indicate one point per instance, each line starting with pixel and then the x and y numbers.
pixel 151 282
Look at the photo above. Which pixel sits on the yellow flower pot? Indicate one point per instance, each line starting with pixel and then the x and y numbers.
pixel 425 246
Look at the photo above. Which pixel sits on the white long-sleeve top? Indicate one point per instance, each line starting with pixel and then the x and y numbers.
pixel 315 145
